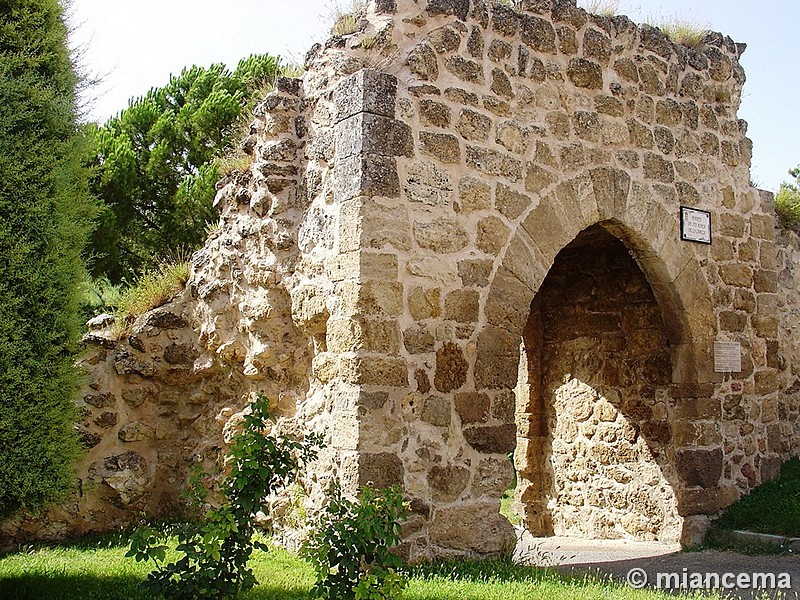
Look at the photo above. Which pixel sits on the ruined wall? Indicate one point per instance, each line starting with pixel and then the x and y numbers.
pixel 375 268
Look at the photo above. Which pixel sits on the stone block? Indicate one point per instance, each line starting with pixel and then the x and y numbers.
pixel 365 175
pixel 418 341
pixel 426 183
pixel 373 335
pixel 611 190
pixel 504 20
pixel 567 40
pixel 658 169
pixel 373 370
pixel 381 470
pixel 442 146
pixel 492 235
pixel 136 431
pixel 699 467
pixel 493 162
pixel 366 91
pixel 493 477
pixel 473 125
pixel 585 74
pixel 472 407
pixel 424 303
pixel 511 203
pixel 538 179
pixel 475 527
pixel 366 133
pixel 447 483
pixel 105 400
pixel 435 410
pixel 492 439
pixel 597 45
pixel 474 194
pixel 374 298
pixel 462 306
pixel 475 43
pixel 497 360
pixel 475 272
pixel 512 137
pixel 706 501
pixel 423 62
pixel 538 34
pixel 456 8
pixel 451 368
pixel 737 275
pixel 509 301
pixel 499 50
pixel 465 69
pixel 501 84
pixel 626 69
pixel 434 113
pixel 376 226
pixel 444 235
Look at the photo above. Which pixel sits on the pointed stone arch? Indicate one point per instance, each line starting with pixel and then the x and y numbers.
pixel 601 199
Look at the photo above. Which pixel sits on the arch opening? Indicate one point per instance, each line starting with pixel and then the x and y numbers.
pixel 594 440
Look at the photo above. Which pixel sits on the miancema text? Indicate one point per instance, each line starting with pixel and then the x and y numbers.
pixel 726 581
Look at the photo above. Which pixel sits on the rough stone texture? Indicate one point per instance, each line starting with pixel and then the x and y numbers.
pixel 378 265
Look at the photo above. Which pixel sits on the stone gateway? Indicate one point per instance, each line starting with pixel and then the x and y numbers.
pixel 457 254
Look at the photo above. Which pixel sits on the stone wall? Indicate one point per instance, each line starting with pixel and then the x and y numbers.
pixel 395 270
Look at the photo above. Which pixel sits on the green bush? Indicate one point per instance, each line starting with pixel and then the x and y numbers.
pixel 787 204
pixel 44 218
pixel 214 552
pixel 350 545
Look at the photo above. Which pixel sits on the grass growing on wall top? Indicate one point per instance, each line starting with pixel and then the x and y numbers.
pixel 684 32
pixel 152 289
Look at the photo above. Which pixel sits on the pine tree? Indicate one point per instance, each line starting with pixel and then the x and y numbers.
pixel 155 164
pixel 44 212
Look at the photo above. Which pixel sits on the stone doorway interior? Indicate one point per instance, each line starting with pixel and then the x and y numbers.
pixel 594 457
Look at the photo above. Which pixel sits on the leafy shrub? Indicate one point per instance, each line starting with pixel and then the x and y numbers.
pixel 350 545
pixel 787 203
pixel 214 552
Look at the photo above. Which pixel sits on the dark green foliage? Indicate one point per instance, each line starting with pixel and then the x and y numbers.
pixel 787 202
pixel 350 545
pixel 44 209
pixel 214 552
pixel 154 165
pixel 772 507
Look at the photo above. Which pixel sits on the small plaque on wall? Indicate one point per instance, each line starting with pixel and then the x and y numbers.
pixel 695 225
pixel 727 357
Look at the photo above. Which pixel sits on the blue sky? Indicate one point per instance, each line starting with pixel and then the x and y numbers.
pixel 134 46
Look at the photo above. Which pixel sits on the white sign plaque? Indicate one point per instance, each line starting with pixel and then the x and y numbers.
pixel 695 225
pixel 727 357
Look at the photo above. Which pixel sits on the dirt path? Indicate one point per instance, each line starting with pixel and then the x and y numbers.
pixel 619 558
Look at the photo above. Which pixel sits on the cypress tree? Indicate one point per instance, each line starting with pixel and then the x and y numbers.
pixel 44 213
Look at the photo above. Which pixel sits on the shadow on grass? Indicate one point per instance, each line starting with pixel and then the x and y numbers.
pixel 84 587
pixel 492 570
pixel 71 587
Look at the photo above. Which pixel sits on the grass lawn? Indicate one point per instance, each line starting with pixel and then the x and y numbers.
pixel 773 507
pixel 97 569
